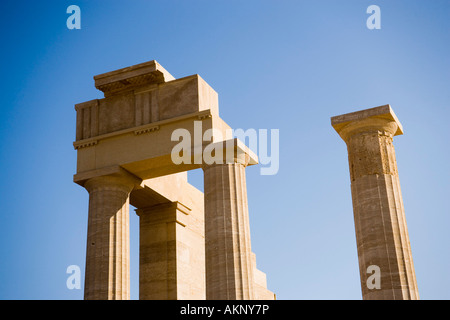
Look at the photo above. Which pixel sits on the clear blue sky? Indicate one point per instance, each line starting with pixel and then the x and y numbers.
pixel 287 65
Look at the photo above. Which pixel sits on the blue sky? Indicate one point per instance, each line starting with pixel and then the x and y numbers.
pixel 287 65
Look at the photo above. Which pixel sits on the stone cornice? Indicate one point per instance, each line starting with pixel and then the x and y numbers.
pixel 148 128
pixel 150 72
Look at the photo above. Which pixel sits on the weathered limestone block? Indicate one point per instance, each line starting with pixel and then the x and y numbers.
pixel 380 223
pixel 171 263
pixel 129 103
pixel 260 283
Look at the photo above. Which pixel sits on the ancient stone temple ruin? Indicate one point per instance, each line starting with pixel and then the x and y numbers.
pixel 193 245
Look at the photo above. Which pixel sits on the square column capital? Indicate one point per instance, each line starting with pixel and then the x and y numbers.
pixel 380 118
pixel 226 152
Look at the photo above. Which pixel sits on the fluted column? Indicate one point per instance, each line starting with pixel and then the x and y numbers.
pixel 229 268
pixel 381 233
pixel 108 252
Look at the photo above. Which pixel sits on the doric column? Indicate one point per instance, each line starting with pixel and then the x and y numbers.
pixel 229 267
pixel 108 253
pixel 385 260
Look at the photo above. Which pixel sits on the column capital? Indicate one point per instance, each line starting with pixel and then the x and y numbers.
pixel 380 119
pixel 121 179
pixel 233 151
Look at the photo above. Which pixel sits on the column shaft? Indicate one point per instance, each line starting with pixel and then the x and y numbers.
pixel 381 231
pixel 384 252
pixel 108 254
pixel 229 268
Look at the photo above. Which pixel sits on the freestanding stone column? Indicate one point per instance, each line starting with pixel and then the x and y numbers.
pixel 229 266
pixel 108 254
pixel 381 232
